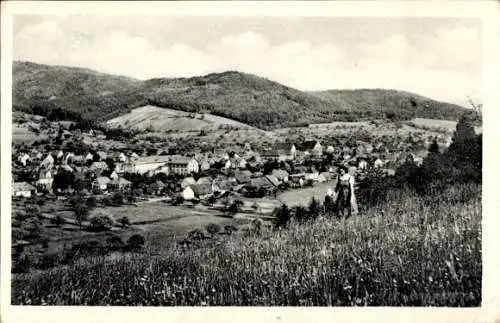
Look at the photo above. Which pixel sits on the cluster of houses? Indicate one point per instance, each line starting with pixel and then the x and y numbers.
pixel 96 168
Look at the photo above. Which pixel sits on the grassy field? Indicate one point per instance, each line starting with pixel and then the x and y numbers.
pixel 303 196
pixel 22 134
pixel 164 119
pixel 415 251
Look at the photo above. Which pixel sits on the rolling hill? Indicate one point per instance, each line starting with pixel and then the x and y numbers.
pixel 75 92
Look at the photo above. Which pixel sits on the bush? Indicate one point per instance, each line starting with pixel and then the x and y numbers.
pixel 229 229
pixel 136 241
pixel 117 198
pixel 125 221
pixel 101 222
pixel 115 243
pixel 196 234
pixel 213 229
pixel 58 220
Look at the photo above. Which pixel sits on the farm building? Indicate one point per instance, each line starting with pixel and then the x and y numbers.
pixel 261 182
pixel 119 184
pixel 23 189
pixel 204 180
pixel 157 187
pixel 98 166
pixel 169 164
pixel 150 163
pixel 243 177
pixel 312 146
pixel 273 180
pixel 281 175
pixel 202 191
pixel 221 185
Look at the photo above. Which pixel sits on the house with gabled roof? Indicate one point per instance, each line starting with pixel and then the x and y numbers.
pixel 23 189
pixel 273 180
pixel 48 162
pixel 119 183
pixel 242 176
pixel 281 175
pixel 202 191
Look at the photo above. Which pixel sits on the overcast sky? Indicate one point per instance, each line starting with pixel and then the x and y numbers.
pixel 436 57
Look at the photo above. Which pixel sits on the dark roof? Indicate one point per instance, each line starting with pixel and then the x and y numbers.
pixel 202 189
pixel 280 174
pixel 243 176
pixel 307 145
pixel 261 182
pixel 273 180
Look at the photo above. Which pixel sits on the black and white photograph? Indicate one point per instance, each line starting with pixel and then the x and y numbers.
pixel 245 160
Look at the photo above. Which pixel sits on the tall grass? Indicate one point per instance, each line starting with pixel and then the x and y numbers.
pixel 414 252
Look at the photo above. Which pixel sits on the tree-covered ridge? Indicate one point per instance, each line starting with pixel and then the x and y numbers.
pixel 247 98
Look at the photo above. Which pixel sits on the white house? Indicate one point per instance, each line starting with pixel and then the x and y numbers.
pixel 89 156
pixel 24 158
pixel 378 163
pixel 48 162
pixel 188 193
pixel 318 149
pixel 23 189
pixel 193 166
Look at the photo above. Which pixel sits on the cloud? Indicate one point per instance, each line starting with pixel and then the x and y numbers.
pixel 441 65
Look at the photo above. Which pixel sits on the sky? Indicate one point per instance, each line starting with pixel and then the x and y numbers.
pixel 435 57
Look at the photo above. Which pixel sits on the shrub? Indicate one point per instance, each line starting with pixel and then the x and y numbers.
pixel 229 229
pixel 136 241
pixel 117 198
pixel 91 202
pixel 283 216
pixel 196 234
pixel 125 221
pixel 101 222
pixel 58 220
pixel 32 211
pixel 213 229
pixel 115 243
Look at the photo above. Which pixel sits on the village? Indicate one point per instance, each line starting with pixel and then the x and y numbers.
pixel 71 184
pixel 196 177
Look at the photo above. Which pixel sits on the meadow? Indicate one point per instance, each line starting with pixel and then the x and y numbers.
pixel 415 251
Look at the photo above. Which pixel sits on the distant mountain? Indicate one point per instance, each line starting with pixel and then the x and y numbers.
pixel 259 102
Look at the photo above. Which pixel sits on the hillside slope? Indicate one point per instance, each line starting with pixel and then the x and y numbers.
pixel 164 119
pixel 259 102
